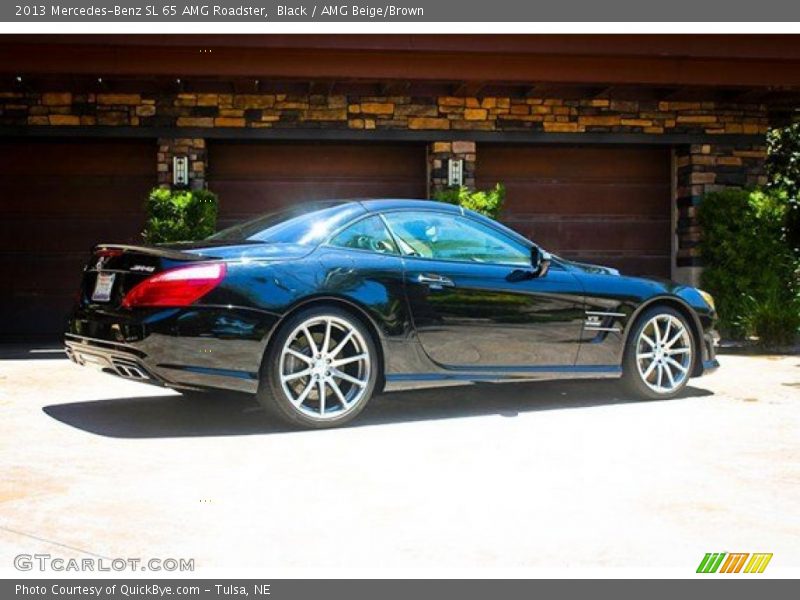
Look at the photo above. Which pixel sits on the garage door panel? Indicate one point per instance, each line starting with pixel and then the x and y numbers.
pixel 74 233
pixel 249 198
pixel 43 315
pixel 60 197
pixel 253 179
pixel 71 195
pixel 574 237
pixel 243 161
pixel 641 200
pixel 44 275
pixel 115 159
pixel 604 204
pixel 574 163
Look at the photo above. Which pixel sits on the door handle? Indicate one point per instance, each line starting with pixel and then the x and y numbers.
pixel 435 281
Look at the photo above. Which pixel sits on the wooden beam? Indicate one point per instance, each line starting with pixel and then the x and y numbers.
pixel 400 135
pixel 320 88
pixel 550 90
pixel 535 91
pixel 746 96
pixel 673 93
pixel 395 88
pixel 726 46
pixel 245 85
pixel 605 92
pixel 468 89
pixel 29 57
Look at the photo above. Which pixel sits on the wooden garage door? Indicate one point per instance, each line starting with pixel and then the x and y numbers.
pixel 58 198
pixel 606 205
pixel 257 178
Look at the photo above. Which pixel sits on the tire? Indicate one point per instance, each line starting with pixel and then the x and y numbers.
pixel 320 369
pixel 659 361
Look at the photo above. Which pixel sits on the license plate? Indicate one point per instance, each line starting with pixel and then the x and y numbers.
pixel 102 289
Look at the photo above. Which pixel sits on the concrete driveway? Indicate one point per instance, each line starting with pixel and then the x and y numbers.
pixel 555 475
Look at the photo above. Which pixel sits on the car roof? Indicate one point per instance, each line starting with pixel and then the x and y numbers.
pixel 382 204
pixel 372 205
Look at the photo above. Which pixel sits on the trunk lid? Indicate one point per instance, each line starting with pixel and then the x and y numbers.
pixel 114 269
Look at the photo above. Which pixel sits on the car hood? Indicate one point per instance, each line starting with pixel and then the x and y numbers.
pixel 602 281
pixel 586 267
pixel 590 269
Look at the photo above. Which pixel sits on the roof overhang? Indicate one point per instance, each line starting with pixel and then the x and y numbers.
pixel 759 69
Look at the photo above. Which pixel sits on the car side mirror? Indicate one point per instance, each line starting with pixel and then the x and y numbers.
pixel 540 261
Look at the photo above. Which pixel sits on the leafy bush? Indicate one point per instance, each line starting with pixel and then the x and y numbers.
pixel 771 317
pixel 749 268
pixel 179 215
pixel 486 202
pixel 783 169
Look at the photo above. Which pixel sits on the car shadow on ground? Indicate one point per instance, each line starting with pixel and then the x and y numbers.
pixel 222 413
pixel 43 351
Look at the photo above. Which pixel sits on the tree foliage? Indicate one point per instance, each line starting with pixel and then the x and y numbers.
pixel 179 215
pixel 783 169
pixel 486 202
pixel 749 268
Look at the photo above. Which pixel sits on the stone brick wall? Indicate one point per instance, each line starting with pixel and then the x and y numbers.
pixel 194 148
pixel 704 168
pixel 379 112
pixel 439 153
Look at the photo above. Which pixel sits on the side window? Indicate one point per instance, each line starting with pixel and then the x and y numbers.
pixel 367 234
pixel 453 237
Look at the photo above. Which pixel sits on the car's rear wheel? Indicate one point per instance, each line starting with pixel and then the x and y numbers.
pixel 659 355
pixel 321 369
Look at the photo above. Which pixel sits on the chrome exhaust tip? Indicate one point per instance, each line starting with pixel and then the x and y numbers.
pixel 130 371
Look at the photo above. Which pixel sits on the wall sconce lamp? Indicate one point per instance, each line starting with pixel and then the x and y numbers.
pixel 180 171
pixel 455 172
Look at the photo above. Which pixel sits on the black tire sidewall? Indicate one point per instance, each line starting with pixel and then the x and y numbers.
pixel 270 392
pixel 630 372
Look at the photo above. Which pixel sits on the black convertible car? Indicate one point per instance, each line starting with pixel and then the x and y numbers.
pixel 317 308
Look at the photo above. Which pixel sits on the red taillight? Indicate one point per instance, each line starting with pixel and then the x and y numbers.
pixel 176 287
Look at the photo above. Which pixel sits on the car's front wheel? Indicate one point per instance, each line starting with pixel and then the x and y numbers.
pixel 659 355
pixel 321 369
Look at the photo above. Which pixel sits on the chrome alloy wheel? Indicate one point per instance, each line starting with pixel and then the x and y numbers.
pixel 664 353
pixel 325 367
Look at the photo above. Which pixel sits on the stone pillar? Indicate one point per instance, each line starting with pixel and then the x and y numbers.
pixel 194 148
pixel 438 155
pixel 704 168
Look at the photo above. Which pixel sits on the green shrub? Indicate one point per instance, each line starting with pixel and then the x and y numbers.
pixel 749 268
pixel 486 202
pixel 179 215
pixel 771 318
pixel 783 170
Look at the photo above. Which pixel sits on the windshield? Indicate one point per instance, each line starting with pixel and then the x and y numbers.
pixel 305 224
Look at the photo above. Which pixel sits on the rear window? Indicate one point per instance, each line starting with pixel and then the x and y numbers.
pixel 306 224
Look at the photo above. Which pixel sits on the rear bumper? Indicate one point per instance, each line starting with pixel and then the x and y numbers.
pixel 196 347
pixel 133 364
pixel 109 358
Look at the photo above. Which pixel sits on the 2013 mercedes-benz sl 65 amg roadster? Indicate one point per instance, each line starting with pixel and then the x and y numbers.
pixel 317 308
